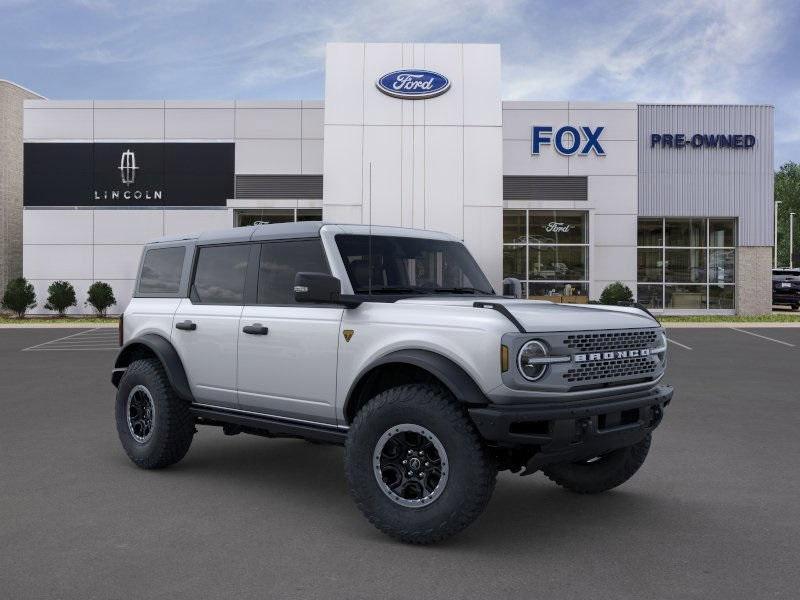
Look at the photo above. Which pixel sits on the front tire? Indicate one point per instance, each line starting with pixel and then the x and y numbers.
pixel 153 424
pixel 601 473
pixel 447 478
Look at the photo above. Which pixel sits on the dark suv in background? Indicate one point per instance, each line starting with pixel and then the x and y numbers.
pixel 786 287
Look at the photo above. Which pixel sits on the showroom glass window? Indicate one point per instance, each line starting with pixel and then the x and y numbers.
pixel 264 216
pixel 548 250
pixel 687 264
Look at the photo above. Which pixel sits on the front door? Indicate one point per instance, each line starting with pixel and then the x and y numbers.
pixel 288 351
pixel 206 325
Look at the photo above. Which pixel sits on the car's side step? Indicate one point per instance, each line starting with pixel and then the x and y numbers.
pixel 268 426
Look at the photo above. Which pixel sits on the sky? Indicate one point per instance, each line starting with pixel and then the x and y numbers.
pixel 712 51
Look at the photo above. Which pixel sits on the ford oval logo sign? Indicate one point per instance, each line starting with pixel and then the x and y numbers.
pixel 413 84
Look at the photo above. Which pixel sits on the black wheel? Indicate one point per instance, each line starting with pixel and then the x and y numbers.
pixel 795 306
pixel 600 473
pixel 415 465
pixel 153 424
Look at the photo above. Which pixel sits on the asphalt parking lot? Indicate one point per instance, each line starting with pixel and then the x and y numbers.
pixel 714 512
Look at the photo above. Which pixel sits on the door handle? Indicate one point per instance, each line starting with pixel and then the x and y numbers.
pixel 255 329
pixel 186 326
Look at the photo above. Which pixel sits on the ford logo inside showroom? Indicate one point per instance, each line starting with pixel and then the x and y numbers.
pixel 413 84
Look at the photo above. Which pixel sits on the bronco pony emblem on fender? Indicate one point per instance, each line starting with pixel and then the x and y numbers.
pixel 413 84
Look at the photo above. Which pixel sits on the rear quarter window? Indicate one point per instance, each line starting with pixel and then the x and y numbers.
pixel 161 271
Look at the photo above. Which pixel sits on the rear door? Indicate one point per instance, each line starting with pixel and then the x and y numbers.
pixel 288 351
pixel 206 325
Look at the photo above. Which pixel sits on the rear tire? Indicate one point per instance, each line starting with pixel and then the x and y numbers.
pixel 602 473
pixel 795 306
pixel 153 424
pixel 425 426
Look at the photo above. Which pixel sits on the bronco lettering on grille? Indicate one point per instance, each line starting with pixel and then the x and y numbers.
pixel 594 356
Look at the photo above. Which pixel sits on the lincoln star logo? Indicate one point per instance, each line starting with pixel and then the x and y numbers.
pixel 127 167
pixel 595 356
pixel 413 84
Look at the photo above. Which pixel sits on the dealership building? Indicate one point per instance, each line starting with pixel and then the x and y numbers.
pixel 674 200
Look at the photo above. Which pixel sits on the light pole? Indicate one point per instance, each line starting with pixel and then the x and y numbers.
pixel 777 203
pixel 791 238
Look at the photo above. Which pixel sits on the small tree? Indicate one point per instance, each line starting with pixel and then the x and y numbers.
pixel 60 296
pixel 101 297
pixel 615 293
pixel 19 297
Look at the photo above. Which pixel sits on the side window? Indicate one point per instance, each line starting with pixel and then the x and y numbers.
pixel 220 274
pixel 161 271
pixel 281 261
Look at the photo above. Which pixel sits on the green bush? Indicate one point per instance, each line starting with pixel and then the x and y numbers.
pixel 60 296
pixel 19 297
pixel 101 297
pixel 615 293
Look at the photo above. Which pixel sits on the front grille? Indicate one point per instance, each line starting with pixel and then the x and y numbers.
pixel 606 342
pixel 618 368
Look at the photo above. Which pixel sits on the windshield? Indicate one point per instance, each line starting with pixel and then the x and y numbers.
pixel 402 265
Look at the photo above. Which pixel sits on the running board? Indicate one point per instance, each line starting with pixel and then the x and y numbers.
pixel 268 426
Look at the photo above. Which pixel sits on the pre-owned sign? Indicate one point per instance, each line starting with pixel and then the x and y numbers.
pixel 702 140
pixel 128 174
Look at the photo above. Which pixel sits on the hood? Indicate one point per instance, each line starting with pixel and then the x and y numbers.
pixel 541 316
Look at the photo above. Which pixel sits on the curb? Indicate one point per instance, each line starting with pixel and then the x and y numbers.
pixel 737 324
pixel 58 326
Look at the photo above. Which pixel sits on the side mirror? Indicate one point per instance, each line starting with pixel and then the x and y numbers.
pixel 320 288
pixel 512 287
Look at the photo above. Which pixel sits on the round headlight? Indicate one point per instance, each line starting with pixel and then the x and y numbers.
pixel 528 360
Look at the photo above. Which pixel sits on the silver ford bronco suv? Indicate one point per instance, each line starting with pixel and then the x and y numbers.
pixel 392 343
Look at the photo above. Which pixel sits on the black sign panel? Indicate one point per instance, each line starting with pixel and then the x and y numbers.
pixel 128 174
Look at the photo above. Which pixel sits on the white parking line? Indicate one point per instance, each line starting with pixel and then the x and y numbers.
pixel 763 337
pixel 91 339
pixel 679 344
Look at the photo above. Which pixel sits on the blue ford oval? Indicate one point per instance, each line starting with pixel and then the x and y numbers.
pixel 413 84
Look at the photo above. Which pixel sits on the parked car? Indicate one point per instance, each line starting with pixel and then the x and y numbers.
pixel 393 343
pixel 786 287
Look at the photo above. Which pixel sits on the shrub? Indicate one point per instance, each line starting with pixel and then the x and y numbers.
pixel 615 293
pixel 60 296
pixel 101 297
pixel 19 296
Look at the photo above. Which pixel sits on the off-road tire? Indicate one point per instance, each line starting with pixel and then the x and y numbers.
pixel 472 472
pixel 173 425
pixel 607 472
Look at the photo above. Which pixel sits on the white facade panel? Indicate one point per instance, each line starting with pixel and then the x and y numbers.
pixel 57 226
pixel 444 180
pixel 62 261
pixel 313 123
pixel 128 124
pixel 312 158
pixel 483 166
pixel 447 109
pixel 380 109
pixel 481 94
pixel 342 213
pixel 343 179
pixel 620 159
pixel 116 261
pixel 517 160
pixel 58 124
pixel 268 123
pixel 615 230
pixel 382 148
pixel 199 123
pixel 344 84
pixel 517 123
pixel 178 222
pixel 483 235
pixel 265 157
pixel 613 263
pixel 127 226
pixel 614 194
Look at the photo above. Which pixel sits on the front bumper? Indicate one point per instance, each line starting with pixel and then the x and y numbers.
pixel 567 431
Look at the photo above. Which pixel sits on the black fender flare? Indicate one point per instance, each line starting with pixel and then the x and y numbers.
pixel 452 376
pixel 165 352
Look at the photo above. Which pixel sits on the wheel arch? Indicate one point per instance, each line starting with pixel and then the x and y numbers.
pixel 408 366
pixel 152 345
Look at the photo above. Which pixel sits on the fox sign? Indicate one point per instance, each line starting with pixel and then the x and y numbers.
pixel 568 140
